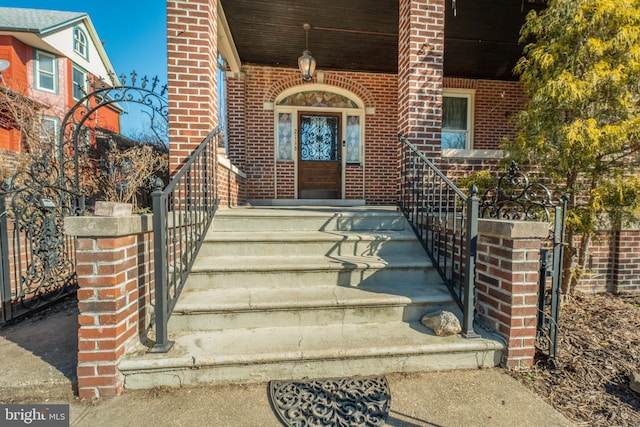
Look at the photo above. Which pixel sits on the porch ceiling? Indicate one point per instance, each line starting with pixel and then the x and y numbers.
pixel 481 41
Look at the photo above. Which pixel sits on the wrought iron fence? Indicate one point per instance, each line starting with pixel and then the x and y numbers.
pixel 182 214
pixel 515 198
pixel 446 223
pixel 38 260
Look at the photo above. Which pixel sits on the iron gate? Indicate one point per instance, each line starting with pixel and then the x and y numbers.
pixel 514 198
pixel 38 260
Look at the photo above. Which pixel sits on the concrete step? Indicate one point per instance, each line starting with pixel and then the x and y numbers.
pixel 308 219
pixel 308 243
pixel 264 354
pixel 309 271
pixel 216 309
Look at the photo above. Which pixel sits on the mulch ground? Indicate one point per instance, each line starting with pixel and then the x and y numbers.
pixel 598 350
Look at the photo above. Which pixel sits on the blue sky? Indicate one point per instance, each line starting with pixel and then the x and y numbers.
pixel 134 33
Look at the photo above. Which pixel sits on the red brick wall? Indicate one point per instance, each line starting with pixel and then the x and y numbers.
pixel 237 122
pixel 507 292
pixel 192 75
pixel 231 185
pixel 613 263
pixel 263 84
pixel 496 103
pixel 116 287
pixel 420 72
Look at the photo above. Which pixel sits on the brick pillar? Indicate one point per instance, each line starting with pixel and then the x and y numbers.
pixel 420 71
pixel 508 264
pixel 192 52
pixel 237 110
pixel 114 265
pixel 625 269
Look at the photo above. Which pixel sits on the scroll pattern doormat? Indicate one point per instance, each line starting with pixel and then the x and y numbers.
pixel 361 401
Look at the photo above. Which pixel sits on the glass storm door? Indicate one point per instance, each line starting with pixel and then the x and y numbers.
pixel 319 171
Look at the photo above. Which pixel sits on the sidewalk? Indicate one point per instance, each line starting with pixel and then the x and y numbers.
pixel 38 358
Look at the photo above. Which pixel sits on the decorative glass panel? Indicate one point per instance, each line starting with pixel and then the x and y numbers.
pixel 353 139
pixel 318 99
pixel 285 145
pixel 319 138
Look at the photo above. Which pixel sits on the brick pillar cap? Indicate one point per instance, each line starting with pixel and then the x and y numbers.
pixel 513 229
pixel 94 226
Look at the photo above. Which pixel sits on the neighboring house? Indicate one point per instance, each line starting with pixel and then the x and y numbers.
pixel 50 56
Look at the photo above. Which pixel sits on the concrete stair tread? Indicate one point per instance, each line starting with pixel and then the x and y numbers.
pixel 306 211
pixel 255 299
pixel 309 235
pixel 304 344
pixel 307 263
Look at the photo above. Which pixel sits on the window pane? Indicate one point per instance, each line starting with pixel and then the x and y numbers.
pixel 45 64
pixel 454 140
pixel 454 113
pixel 79 41
pixel 78 84
pixel 46 82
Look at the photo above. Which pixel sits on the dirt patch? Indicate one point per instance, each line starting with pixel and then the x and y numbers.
pixel 598 350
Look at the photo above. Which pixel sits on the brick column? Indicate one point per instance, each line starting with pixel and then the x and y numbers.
pixel 625 267
pixel 508 264
pixel 420 71
pixel 192 51
pixel 237 113
pixel 114 264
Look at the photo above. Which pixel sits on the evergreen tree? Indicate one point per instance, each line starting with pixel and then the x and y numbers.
pixel 581 128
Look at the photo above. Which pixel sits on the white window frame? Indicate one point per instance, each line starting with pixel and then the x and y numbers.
pixel 73 82
pixel 54 75
pixel 469 95
pixel 80 45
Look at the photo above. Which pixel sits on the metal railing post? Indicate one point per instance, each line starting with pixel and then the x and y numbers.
pixel 162 344
pixel 473 208
pixel 5 277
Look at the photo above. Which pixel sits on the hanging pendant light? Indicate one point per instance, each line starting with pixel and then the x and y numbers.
pixel 306 62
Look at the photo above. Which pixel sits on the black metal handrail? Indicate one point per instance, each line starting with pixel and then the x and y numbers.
pixel 446 223
pixel 182 214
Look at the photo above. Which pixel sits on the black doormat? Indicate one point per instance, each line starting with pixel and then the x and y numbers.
pixel 360 401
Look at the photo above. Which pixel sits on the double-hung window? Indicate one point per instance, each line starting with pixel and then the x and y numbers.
pixel 79 78
pixel 457 119
pixel 46 68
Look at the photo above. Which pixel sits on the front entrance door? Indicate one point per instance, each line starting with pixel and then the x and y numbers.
pixel 319 166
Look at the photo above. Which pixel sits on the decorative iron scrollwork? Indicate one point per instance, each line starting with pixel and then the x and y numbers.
pixel 103 94
pixel 514 198
pixel 45 264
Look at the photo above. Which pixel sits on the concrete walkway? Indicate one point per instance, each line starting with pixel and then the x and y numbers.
pixel 38 357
